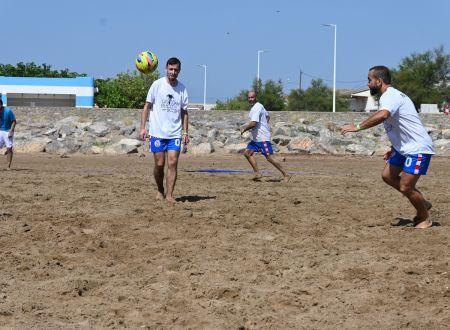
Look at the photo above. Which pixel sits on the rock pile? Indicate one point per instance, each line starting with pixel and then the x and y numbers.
pixel 115 131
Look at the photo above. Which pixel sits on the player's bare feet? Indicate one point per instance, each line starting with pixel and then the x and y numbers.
pixel 287 178
pixel 159 196
pixel 257 177
pixel 170 200
pixel 424 224
pixel 428 205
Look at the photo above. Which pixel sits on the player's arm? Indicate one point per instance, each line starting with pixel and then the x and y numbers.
pixel 185 123
pixel 13 127
pixel 377 118
pixel 246 127
pixel 144 118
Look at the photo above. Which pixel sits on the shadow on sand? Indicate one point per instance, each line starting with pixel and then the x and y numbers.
pixel 193 199
pixel 403 222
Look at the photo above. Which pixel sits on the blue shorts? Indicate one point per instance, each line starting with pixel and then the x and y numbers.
pixel 162 145
pixel 263 147
pixel 412 164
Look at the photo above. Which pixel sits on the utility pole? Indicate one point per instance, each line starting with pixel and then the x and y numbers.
pixel 300 81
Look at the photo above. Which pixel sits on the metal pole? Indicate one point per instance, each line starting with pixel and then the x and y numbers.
pixel 204 86
pixel 300 81
pixel 334 70
pixel 204 91
pixel 257 74
pixel 334 64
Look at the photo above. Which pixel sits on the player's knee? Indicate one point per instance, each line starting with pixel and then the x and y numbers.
pixel 159 166
pixel 406 189
pixel 386 178
pixel 172 163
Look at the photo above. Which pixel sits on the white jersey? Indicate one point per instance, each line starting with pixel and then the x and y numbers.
pixel 261 132
pixel 167 102
pixel 404 127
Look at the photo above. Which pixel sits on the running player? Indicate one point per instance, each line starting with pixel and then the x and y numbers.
pixel 7 126
pixel 412 147
pixel 259 124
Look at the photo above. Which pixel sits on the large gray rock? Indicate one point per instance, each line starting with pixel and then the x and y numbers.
pixel 236 148
pixel 99 129
pixel 358 149
pixel 202 149
pixel 68 121
pixel 283 130
pixel 62 147
pixel 50 132
pixel 131 142
pixel 445 134
pixel 32 145
pixel 441 144
pixel 281 140
pixel 213 135
pixel 120 149
pixel 313 129
pixel 127 130
pixel 66 130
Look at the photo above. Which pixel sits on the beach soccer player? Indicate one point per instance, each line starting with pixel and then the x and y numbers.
pixel 260 130
pixel 7 127
pixel 412 147
pixel 166 102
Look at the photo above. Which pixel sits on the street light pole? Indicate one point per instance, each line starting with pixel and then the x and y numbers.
pixel 334 65
pixel 204 86
pixel 257 75
pixel 300 81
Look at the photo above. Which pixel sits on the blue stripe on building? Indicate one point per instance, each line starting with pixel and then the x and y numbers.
pixel 84 101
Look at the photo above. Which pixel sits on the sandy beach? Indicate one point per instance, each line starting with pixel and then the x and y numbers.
pixel 84 245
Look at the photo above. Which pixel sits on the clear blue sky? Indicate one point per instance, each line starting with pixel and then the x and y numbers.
pixel 101 38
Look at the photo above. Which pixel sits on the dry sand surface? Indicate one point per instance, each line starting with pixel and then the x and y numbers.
pixel 84 245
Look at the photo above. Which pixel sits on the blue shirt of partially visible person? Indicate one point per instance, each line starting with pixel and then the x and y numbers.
pixel 7 118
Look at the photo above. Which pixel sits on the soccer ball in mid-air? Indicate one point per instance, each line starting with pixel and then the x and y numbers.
pixel 146 62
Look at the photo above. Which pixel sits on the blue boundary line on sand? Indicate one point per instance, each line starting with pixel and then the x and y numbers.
pixel 241 171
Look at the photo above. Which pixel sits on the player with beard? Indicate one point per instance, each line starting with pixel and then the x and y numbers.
pixel 412 147
pixel 167 102
pixel 259 126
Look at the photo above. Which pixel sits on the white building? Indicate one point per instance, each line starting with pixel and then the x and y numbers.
pixel 362 101
pixel 47 92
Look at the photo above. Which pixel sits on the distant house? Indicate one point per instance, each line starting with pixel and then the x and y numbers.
pixel 362 101
pixel 47 92
pixel 198 106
